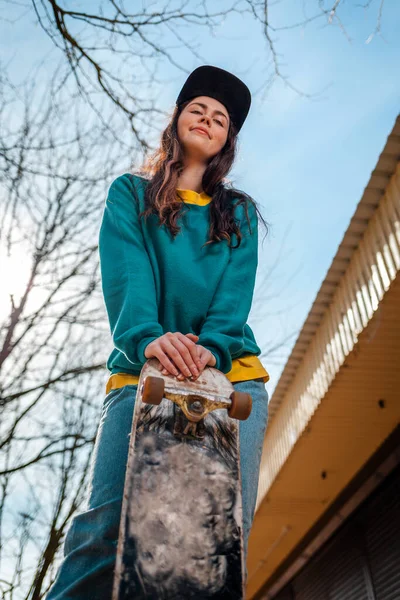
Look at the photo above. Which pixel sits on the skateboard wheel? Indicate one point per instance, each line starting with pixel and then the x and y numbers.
pixel 153 390
pixel 241 406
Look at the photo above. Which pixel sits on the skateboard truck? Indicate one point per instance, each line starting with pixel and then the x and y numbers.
pixel 194 405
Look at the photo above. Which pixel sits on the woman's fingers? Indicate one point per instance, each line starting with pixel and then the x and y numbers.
pixel 181 355
pixel 167 364
pixel 206 357
pixel 156 349
pixel 192 336
pixel 191 346
pixel 203 357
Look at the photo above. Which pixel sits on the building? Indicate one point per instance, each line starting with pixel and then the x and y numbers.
pixel 327 523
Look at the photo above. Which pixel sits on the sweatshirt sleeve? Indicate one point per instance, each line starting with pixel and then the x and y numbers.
pixel 126 273
pixel 223 330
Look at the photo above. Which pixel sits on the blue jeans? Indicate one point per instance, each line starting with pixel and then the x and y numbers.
pixel 87 570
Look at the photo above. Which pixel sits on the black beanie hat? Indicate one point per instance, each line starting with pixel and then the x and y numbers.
pixel 221 85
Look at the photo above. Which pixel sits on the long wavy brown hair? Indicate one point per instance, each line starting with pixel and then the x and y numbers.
pixel 163 168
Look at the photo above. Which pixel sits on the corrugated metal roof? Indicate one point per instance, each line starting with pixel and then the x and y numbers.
pixel 373 192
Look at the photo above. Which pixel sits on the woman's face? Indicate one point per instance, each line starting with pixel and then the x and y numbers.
pixel 212 116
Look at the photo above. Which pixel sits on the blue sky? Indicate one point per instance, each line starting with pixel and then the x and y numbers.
pixel 306 161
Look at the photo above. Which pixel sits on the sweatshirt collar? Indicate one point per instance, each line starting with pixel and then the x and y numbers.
pixel 192 197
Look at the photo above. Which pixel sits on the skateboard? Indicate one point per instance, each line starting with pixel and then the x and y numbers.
pixel 181 532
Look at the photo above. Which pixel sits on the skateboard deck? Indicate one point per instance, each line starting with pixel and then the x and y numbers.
pixel 181 522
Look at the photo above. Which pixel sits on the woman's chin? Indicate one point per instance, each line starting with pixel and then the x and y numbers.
pixel 196 151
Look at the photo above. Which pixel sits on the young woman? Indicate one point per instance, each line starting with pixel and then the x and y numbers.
pixel 178 254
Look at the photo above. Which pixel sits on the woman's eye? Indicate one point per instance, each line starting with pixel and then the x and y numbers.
pixel 197 111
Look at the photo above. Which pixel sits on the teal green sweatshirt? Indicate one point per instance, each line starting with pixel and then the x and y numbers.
pixel 153 283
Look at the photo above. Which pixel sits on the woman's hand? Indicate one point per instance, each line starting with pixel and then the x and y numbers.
pixel 201 357
pixel 177 353
pixel 205 358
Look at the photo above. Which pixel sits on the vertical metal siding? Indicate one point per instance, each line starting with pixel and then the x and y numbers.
pixel 336 574
pixel 382 539
pixel 362 561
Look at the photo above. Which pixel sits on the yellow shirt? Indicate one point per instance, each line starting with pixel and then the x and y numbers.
pixel 243 368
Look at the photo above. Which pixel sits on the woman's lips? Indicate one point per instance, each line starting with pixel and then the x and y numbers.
pixel 200 131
